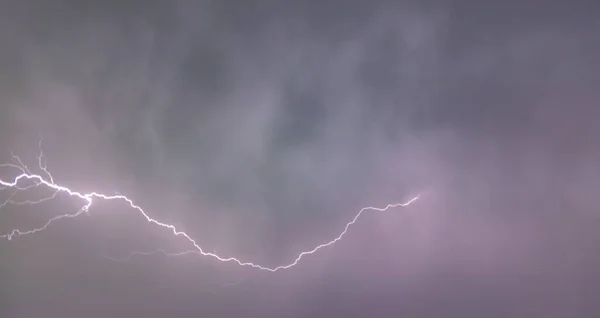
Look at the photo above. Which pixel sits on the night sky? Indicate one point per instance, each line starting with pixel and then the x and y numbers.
pixel 262 127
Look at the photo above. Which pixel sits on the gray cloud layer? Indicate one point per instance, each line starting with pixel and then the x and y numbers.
pixel 261 128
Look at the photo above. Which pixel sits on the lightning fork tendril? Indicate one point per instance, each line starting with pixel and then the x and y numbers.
pixel 24 174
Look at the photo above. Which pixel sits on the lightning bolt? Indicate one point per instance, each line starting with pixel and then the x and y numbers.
pixel 47 180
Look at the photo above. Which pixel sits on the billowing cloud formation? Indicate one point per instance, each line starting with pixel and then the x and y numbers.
pixel 264 127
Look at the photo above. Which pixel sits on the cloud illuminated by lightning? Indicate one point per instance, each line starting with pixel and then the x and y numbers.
pixel 46 180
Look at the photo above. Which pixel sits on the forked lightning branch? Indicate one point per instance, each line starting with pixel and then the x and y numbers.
pixel 27 180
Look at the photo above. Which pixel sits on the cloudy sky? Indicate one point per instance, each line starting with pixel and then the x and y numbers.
pixel 262 127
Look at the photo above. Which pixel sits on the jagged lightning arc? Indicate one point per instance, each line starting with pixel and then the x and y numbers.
pixel 47 180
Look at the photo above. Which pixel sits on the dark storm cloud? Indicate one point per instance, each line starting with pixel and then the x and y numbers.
pixel 262 127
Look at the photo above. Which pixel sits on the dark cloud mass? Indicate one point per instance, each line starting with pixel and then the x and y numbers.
pixel 262 127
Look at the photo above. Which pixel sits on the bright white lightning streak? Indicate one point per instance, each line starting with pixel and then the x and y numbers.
pixel 89 197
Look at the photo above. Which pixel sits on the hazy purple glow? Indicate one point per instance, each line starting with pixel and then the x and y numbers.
pixel 261 128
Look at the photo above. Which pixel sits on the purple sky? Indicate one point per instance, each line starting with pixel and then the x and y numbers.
pixel 262 127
